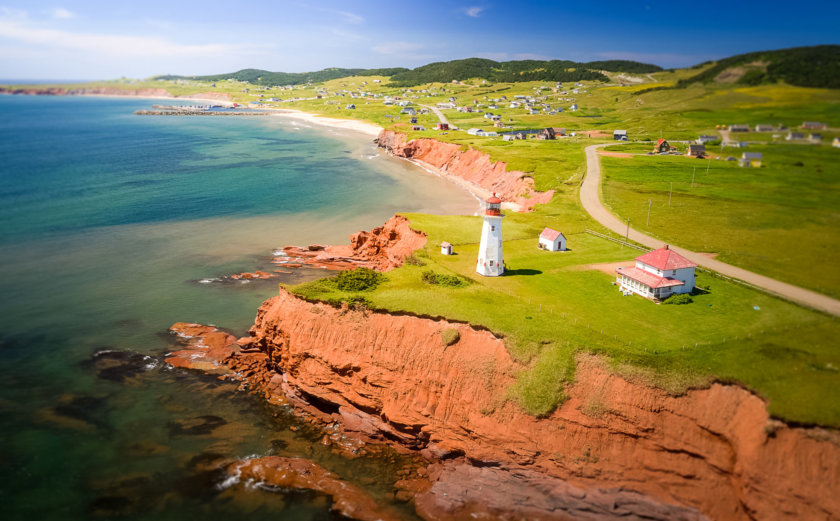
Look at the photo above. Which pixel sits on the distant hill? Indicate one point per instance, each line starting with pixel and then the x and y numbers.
pixel 802 66
pixel 444 72
pixel 515 71
pixel 267 78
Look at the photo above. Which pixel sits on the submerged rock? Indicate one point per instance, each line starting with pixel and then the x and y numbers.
pixel 277 473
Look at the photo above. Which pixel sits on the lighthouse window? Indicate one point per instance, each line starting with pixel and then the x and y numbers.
pixel 491 263
pixel 492 228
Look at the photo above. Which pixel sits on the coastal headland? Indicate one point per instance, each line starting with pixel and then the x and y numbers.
pixel 615 446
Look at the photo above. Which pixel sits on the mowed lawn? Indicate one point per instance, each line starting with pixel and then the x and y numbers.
pixel 780 220
pixel 551 306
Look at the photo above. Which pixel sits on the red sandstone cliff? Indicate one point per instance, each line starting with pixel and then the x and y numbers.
pixel 382 248
pixel 471 165
pixel 393 377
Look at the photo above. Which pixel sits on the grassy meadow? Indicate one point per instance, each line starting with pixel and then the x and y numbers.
pixel 780 220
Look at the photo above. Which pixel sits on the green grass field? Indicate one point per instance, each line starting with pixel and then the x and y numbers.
pixel 779 220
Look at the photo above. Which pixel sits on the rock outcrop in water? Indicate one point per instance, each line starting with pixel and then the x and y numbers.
pixel 383 248
pixel 615 442
pixel 470 165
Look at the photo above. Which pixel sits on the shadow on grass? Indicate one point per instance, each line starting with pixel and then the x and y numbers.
pixel 522 271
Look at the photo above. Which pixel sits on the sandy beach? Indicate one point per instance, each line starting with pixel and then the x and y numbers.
pixel 348 124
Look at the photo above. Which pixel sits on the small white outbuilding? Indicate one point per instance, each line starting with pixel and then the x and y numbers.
pixel 552 240
pixel 445 248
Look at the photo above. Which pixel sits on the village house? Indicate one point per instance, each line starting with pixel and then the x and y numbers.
pixel 445 248
pixel 764 128
pixel 794 136
pixel 658 275
pixel 350 107
pixel 816 138
pixel 620 135
pixel 574 107
pixel 698 151
pixel 750 159
pixel 547 133
pixel 836 142
pixel 552 240
pixel 739 128
pixel 814 125
pixel 442 126
pixel 702 140
pixel 662 147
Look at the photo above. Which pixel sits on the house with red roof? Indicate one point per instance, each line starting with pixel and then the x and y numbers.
pixel 662 147
pixel 552 240
pixel 658 275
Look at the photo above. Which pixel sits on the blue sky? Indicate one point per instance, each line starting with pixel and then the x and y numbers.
pixel 110 39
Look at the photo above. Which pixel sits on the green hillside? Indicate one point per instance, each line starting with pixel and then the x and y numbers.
pixel 801 66
pixel 516 71
pixel 267 78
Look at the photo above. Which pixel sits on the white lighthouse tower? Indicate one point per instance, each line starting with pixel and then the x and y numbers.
pixel 490 260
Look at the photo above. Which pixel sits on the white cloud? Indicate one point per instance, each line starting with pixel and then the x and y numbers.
pixel 110 44
pixel 349 17
pixel 474 11
pixel 60 13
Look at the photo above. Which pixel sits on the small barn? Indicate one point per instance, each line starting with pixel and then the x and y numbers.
pixel 445 248
pixel 442 126
pixel 662 147
pixel 546 133
pixel 698 151
pixel 620 135
pixel 751 159
pixel 552 240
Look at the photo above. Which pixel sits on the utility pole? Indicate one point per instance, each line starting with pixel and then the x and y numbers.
pixel 692 176
pixel 670 194
pixel 650 203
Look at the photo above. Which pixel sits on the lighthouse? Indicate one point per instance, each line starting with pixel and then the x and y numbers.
pixel 490 260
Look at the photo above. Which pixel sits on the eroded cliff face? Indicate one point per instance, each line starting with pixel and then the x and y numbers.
pixel 393 377
pixel 383 248
pixel 471 165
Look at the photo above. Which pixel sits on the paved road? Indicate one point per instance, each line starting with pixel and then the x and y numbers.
pixel 590 197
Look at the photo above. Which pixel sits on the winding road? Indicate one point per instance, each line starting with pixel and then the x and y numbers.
pixel 590 198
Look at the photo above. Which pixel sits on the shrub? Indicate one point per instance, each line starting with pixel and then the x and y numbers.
pixel 682 298
pixel 450 336
pixel 449 281
pixel 361 279
pixel 413 260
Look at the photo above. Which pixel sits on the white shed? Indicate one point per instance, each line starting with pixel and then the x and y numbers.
pixel 552 240
pixel 445 248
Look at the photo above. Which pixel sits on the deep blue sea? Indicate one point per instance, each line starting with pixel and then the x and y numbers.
pixel 108 224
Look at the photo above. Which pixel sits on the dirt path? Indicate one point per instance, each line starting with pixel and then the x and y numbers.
pixel 590 198
pixel 438 113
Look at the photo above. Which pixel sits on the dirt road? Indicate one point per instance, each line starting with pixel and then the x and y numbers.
pixel 590 197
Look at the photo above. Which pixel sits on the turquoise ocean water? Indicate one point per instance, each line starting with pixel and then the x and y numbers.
pixel 108 223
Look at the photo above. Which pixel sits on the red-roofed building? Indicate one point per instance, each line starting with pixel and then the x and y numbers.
pixel 552 240
pixel 658 275
pixel 662 147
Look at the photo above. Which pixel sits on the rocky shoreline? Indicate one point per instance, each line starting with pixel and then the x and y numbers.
pixel 614 449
